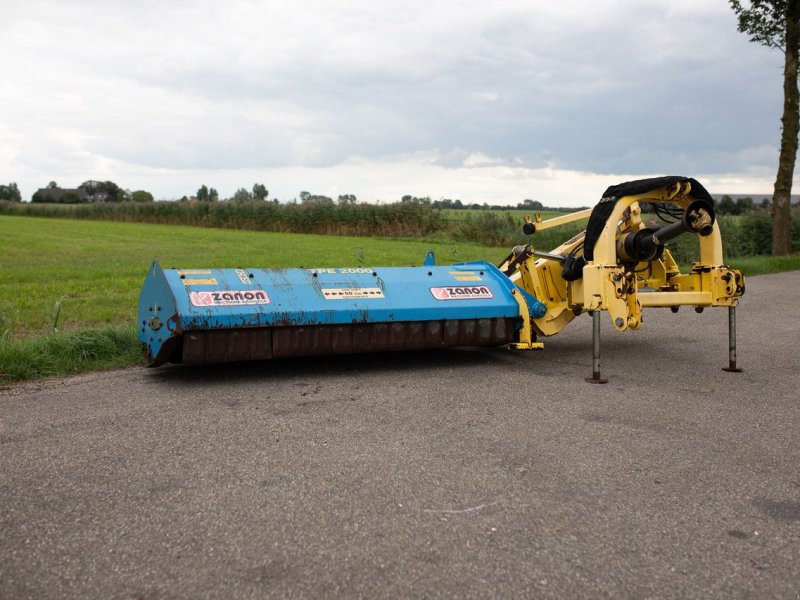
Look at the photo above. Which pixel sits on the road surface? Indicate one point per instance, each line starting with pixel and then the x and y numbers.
pixel 463 473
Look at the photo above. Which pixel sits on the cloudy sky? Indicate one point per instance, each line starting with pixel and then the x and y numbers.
pixel 483 101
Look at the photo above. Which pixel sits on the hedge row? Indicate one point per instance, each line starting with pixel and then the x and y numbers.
pixel 747 235
pixel 405 219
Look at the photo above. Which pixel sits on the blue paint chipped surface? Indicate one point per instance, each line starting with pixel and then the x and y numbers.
pixel 297 297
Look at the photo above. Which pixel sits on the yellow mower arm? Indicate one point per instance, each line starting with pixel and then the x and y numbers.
pixel 620 265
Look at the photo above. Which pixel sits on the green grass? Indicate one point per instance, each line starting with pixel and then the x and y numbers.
pixel 762 265
pixel 84 277
pixel 68 352
pixel 95 269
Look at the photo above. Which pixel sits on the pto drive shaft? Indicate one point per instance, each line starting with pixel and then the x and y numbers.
pixel 648 244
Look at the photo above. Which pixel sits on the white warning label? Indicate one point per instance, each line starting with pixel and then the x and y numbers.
pixel 229 298
pixel 462 292
pixel 243 276
pixel 347 293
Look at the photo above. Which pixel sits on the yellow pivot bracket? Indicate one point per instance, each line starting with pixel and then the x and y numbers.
pixel 526 336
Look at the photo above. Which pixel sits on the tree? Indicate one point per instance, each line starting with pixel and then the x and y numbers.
pixel 745 205
pixel 102 191
pixel 776 24
pixel 52 185
pixel 10 192
pixel 202 193
pixel 260 191
pixel 213 195
pixel 242 195
pixel 726 206
pixel 415 200
pixel 141 196
pixel 346 199
pixel 315 199
pixel 529 204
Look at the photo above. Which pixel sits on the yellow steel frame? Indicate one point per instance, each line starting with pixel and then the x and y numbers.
pixel 620 289
pixel 527 338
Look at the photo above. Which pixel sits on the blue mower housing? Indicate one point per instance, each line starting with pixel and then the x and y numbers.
pixel 224 315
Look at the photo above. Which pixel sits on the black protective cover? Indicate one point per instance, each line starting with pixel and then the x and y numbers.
pixel 604 208
pixel 641 186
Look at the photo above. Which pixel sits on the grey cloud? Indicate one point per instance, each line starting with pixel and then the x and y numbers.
pixel 624 87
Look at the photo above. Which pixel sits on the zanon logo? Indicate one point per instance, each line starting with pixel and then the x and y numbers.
pixel 462 292
pixel 229 298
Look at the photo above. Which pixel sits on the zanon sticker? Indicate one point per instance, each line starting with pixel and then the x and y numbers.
pixel 229 298
pixel 462 292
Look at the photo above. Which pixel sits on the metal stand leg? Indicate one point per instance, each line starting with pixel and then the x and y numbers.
pixel 596 378
pixel 732 368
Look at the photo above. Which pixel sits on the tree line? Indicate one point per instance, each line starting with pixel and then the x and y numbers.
pixel 89 191
pixel 209 194
pixel 741 206
pixel 107 191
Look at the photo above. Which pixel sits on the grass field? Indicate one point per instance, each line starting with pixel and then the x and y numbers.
pixel 93 270
pixel 83 278
pixel 762 265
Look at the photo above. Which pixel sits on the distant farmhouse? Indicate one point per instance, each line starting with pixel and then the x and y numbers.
pixel 60 195
pixel 88 191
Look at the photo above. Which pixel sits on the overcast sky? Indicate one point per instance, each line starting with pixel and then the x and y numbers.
pixel 483 101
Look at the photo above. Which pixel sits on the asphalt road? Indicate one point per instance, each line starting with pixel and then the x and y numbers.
pixel 466 473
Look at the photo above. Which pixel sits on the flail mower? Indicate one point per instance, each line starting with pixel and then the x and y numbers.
pixel 618 264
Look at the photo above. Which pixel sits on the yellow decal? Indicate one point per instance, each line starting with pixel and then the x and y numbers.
pixel 199 282
pixel 194 272
pixel 465 276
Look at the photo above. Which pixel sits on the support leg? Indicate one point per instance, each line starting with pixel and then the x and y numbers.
pixel 596 378
pixel 732 368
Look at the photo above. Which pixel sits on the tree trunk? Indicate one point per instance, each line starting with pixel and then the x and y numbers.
pixel 781 200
